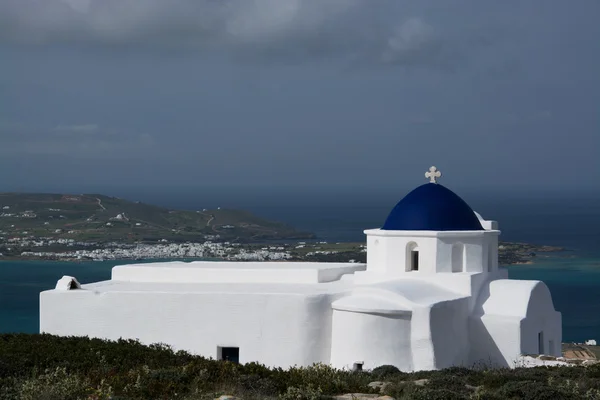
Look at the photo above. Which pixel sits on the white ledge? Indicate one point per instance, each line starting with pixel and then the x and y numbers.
pixel 234 272
pixel 440 234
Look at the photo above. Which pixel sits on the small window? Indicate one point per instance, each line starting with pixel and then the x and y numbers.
pixel 412 257
pixel 231 354
pixel 358 366
pixel 541 343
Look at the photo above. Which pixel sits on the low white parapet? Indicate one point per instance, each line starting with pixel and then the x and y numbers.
pixel 234 272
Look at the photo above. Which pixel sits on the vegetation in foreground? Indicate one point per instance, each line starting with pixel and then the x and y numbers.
pixel 49 367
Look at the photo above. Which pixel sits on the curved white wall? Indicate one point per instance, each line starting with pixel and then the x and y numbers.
pixel 374 339
pixel 541 317
pixel 508 318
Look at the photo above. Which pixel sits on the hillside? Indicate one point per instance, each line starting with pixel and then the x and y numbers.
pixel 98 218
pixel 61 368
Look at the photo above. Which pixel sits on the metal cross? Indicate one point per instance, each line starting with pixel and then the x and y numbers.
pixel 433 174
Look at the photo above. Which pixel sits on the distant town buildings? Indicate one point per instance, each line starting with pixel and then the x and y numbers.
pixel 24 214
pixel 119 251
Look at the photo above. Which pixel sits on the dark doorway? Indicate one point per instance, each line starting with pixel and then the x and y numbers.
pixel 230 354
pixel 414 256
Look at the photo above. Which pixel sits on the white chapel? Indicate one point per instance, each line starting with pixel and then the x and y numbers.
pixel 431 295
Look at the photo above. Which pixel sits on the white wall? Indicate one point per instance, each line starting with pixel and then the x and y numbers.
pixel 507 319
pixel 233 272
pixel 475 247
pixel 494 340
pixel 541 317
pixel 387 250
pixel 374 339
pixel 492 243
pixel 487 224
pixel 422 341
pixel 275 329
pixel 551 326
pixel 449 333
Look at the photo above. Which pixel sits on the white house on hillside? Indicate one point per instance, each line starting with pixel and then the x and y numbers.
pixel 430 296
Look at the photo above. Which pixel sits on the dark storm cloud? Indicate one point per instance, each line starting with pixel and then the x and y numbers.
pixel 486 90
pixel 362 30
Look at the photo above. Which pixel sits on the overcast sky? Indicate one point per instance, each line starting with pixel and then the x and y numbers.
pixel 98 93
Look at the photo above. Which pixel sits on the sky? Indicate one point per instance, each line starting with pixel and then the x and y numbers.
pixel 157 94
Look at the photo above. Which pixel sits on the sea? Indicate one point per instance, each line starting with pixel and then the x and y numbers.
pixel 569 221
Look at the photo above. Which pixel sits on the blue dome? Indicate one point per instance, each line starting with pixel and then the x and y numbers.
pixel 432 207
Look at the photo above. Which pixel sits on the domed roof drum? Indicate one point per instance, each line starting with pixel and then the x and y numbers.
pixel 432 207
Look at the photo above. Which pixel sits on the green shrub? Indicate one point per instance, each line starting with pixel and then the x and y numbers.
pixel 55 384
pixel 328 379
pixel 529 390
pixel 9 388
pixel 427 393
pixel 302 393
pixel 494 379
pixel 401 390
pixel 256 385
pixel 456 384
pixel 49 367
pixel 385 371
pixel 254 368
pixel 22 352
pixel 593 371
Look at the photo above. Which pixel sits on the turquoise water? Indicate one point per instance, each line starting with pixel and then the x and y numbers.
pixel 574 283
pixel 22 281
pixel 575 286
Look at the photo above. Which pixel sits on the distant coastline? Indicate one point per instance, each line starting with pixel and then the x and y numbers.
pixel 50 223
pixel 95 227
pixel 509 253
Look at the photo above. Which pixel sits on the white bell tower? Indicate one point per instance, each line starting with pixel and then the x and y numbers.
pixel 432 231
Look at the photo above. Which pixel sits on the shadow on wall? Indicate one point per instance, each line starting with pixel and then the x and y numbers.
pixel 450 332
pixel 484 349
pixel 483 343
